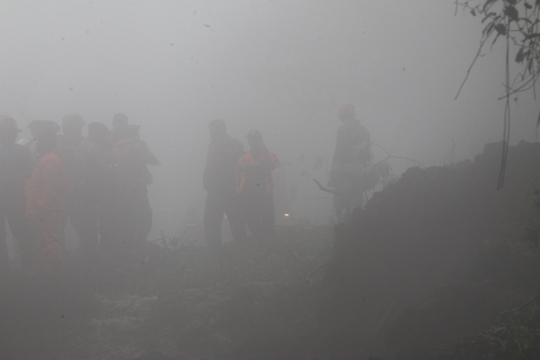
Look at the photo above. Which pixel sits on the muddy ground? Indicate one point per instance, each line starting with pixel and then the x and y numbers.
pixel 433 259
pixel 242 302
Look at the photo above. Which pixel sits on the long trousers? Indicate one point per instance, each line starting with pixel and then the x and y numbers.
pixel 69 206
pixel 217 205
pixel 91 219
pixel 259 213
pixel 350 196
pixel 45 229
pixel 134 214
pixel 12 209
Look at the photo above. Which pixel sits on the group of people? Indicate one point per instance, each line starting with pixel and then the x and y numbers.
pixel 98 183
pixel 239 184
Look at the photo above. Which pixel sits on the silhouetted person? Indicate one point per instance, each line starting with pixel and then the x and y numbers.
pixel 131 179
pixel 67 145
pixel 119 121
pixel 45 191
pixel 219 182
pixel 352 154
pixel 255 187
pixel 15 167
pixel 91 215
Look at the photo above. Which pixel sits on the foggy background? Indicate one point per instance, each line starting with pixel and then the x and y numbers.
pixel 279 66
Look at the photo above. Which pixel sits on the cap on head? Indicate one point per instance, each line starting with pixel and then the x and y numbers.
pixel 8 123
pixel 119 119
pixel 44 127
pixel 255 135
pixel 346 111
pixel 72 121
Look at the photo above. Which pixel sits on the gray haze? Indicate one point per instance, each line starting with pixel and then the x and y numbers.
pixel 279 66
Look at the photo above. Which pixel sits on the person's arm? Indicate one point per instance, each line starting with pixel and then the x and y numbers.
pixel 147 155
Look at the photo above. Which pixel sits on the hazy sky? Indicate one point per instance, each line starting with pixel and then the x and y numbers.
pixel 280 66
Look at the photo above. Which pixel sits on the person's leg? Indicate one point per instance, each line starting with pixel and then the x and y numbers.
pixel 268 216
pixel 234 216
pixel 213 218
pixel 20 228
pixel 84 219
pixel 68 209
pixel 48 247
pixel 253 211
pixel 4 256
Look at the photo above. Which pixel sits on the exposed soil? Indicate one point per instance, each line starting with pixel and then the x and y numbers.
pixel 432 259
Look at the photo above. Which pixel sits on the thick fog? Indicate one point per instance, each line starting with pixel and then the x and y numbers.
pixel 278 66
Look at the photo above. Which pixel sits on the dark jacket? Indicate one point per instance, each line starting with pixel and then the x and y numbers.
pixel 219 173
pixel 352 146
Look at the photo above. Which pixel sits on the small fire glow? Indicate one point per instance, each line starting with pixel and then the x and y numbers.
pixel 286 215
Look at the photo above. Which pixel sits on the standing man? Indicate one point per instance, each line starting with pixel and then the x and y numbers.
pixel 67 145
pixel 15 167
pixel 255 187
pixel 45 191
pixel 93 190
pixel 219 182
pixel 131 179
pixel 352 154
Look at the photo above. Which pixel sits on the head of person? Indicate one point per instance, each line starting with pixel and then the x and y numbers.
pixel 218 129
pixel 46 132
pixel 255 141
pixel 346 111
pixel 34 127
pixel 8 130
pixel 72 124
pixel 97 132
pixel 119 120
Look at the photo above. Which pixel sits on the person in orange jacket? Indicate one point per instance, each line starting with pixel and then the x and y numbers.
pixel 255 187
pixel 45 191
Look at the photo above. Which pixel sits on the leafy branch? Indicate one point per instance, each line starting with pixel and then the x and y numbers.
pixel 519 22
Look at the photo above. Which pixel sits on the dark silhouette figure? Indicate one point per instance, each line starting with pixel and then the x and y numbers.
pixel 219 182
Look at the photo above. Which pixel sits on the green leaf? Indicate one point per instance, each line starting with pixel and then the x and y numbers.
pixel 501 29
pixel 520 56
pixel 512 13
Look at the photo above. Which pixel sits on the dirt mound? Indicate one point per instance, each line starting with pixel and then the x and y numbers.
pixel 432 257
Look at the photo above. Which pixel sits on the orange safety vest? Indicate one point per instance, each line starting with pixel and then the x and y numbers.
pixel 253 172
pixel 46 186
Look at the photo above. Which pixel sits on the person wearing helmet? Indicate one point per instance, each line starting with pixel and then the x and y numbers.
pixel 67 144
pixel 255 187
pixel 219 182
pixel 352 154
pixel 15 167
pixel 45 189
